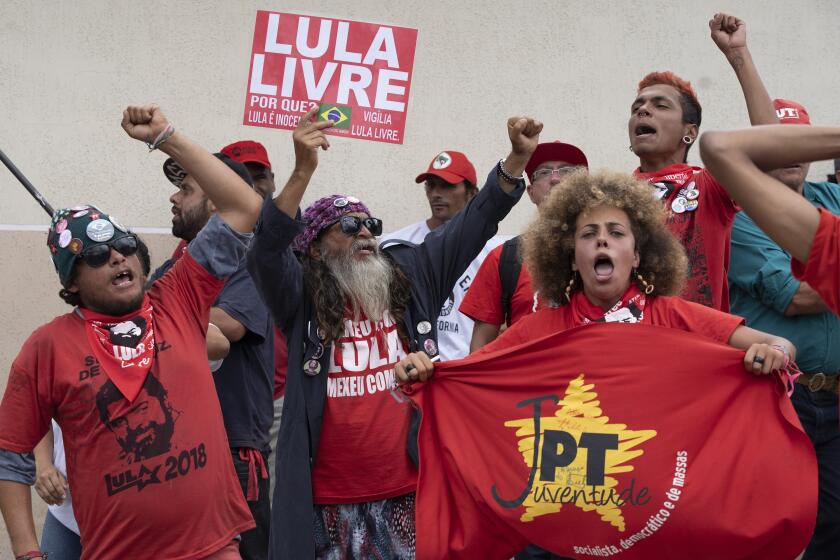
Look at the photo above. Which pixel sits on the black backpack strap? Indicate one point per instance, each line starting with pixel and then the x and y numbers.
pixel 510 264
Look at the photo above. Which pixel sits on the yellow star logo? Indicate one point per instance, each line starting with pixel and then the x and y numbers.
pixel 579 452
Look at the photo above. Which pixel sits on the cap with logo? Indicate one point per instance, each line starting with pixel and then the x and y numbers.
pixel 246 151
pixel 75 229
pixel 451 166
pixel 791 112
pixel 555 151
pixel 175 173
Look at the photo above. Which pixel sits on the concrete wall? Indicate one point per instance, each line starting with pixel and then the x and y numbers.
pixel 69 68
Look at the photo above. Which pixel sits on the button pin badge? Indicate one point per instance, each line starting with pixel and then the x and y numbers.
pixel 312 367
pixel 424 327
pixel 678 205
pixel 430 347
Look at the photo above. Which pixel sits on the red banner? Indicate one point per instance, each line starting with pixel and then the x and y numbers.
pixel 612 440
pixel 358 74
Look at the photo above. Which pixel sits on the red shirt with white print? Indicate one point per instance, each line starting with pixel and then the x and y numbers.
pixel 151 478
pixel 702 220
pixel 362 453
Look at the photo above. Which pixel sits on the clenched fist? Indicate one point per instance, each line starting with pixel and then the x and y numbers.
pixel 144 122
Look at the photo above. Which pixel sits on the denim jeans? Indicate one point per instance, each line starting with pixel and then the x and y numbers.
pixel 59 541
pixel 818 413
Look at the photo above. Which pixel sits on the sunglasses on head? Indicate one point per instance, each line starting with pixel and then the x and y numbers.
pixel 351 225
pixel 97 255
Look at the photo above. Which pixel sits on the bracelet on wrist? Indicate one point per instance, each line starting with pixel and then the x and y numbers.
pixel 31 555
pixel 505 174
pixel 784 351
pixel 164 135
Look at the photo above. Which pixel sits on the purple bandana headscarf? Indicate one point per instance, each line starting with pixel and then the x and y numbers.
pixel 325 212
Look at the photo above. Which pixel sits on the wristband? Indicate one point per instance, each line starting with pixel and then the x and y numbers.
pixel 784 351
pixel 164 135
pixel 32 554
pixel 504 174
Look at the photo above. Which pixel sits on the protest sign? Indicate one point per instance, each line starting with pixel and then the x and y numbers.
pixel 357 74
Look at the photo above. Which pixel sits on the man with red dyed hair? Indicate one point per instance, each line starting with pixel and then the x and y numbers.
pixel 664 123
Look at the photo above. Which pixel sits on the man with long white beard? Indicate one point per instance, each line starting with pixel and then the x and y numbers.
pixel 350 312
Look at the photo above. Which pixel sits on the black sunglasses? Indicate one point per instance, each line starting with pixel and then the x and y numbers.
pixel 351 225
pixel 97 255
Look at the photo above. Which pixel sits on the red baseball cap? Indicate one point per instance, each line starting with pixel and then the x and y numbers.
pixel 247 150
pixel 556 151
pixel 452 167
pixel 791 112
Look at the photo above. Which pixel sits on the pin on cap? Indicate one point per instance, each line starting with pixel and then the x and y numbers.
pixel 340 202
pixel 64 238
pixel 75 246
pixel 424 327
pixel 100 230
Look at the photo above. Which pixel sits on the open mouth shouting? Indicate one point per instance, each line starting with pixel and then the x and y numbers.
pixel 123 278
pixel 603 268
pixel 644 131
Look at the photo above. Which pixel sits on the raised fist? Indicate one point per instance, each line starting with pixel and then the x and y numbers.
pixel 728 32
pixel 144 122
pixel 524 133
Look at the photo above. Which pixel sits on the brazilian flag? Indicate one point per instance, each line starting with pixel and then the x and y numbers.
pixel 338 114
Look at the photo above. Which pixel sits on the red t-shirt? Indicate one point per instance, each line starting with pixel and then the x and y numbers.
pixel 281 363
pixel 821 270
pixel 663 311
pixel 483 301
pixel 362 453
pixel 152 478
pixel 704 231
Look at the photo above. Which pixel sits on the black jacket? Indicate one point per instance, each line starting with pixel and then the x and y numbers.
pixel 432 268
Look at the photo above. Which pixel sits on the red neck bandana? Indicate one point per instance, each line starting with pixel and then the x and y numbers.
pixel 124 346
pixel 629 309
pixel 668 179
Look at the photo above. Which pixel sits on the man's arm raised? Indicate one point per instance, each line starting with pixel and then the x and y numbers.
pixel 739 158
pixel 236 203
pixel 308 138
pixel 730 35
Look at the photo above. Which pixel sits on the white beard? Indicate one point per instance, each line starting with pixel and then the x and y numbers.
pixel 366 282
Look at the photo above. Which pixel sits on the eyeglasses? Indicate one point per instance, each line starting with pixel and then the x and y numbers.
pixel 351 225
pixel 97 255
pixel 545 172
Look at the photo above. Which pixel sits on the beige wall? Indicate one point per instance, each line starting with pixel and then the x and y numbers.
pixel 67 70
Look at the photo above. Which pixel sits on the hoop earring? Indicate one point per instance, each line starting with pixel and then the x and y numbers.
pixel 648 288
pixel 571 286
pixel 630 148
pixel 687 139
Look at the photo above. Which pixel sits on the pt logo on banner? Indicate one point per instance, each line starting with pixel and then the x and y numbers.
pixel 357 74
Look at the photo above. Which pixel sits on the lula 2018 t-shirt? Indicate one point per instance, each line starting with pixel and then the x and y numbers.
pixel 151 478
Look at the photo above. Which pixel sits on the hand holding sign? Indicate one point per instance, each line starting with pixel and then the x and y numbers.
pixel 728 32
pixel 144 122
pixel 308 138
